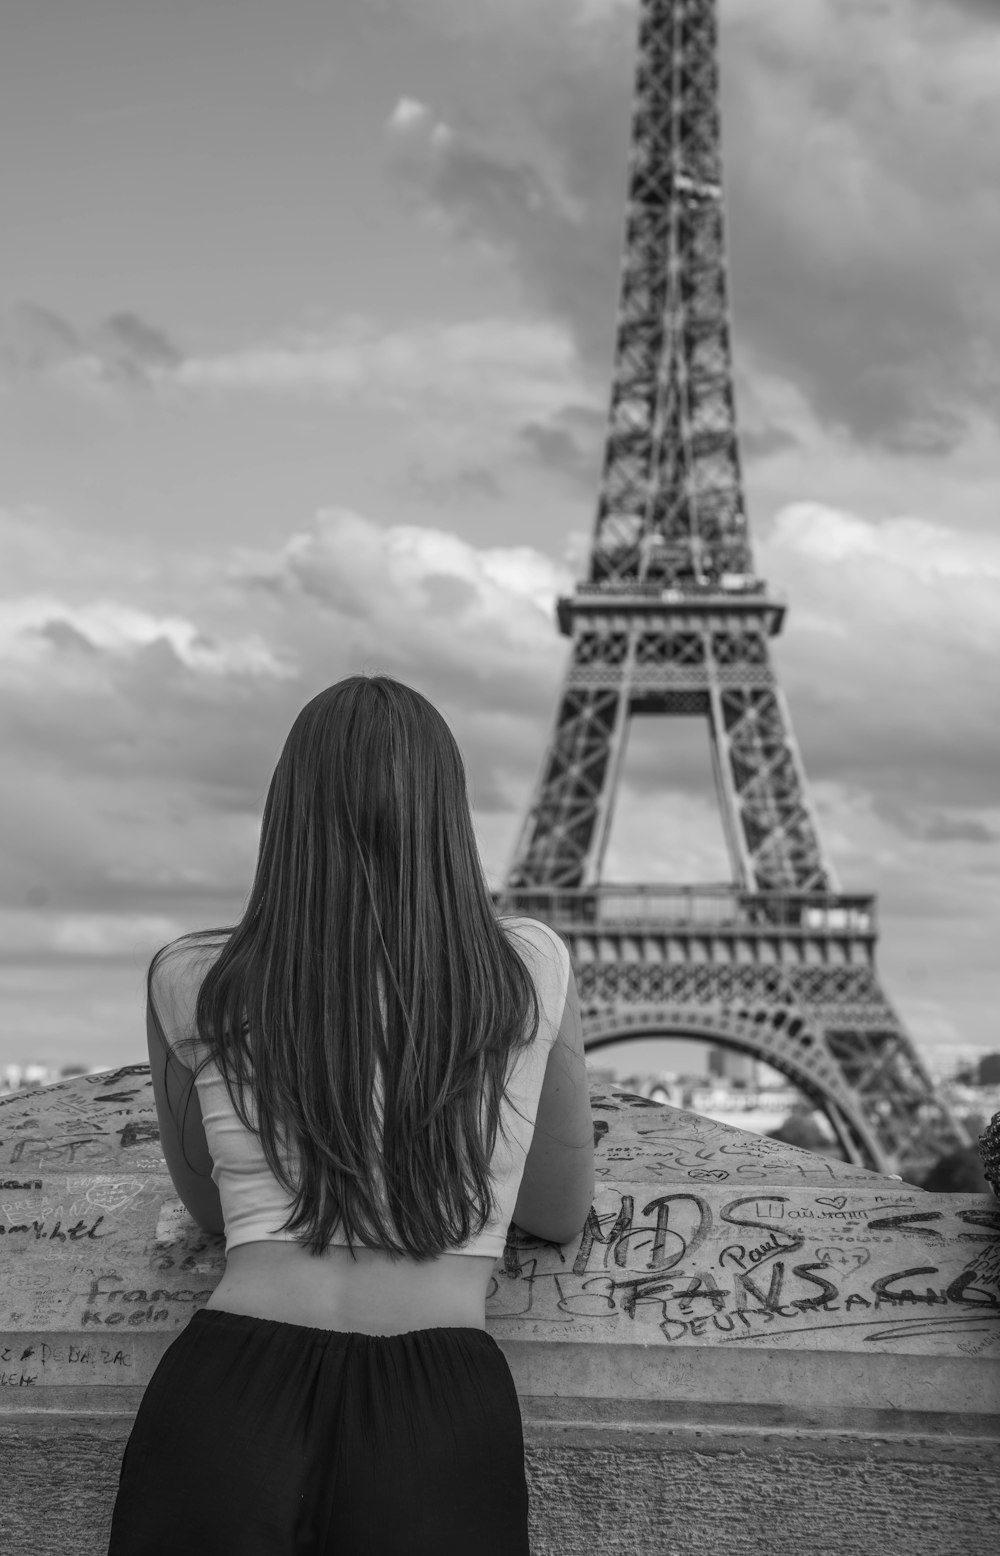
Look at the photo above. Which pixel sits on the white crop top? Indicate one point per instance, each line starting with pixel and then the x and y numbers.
pixel 254 1203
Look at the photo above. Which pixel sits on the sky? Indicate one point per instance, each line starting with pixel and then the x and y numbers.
pixel 306 327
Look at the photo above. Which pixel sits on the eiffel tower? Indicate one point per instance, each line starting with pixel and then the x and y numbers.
pixel 672 619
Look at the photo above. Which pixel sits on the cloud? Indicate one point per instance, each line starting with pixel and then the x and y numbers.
pixel 35 547
pixel 35 339
pixel 39 631
pixel 569 442
pixel 317 75
pixel 552 446
pixel 474 480
pixel 773 440
pixel 65 935
pixel 861 227
pixel 894 626
pixel 98 688
pixel 139 742
pixel 406 115
pixel 461 389
pixel 515 195
pixel 508 366
pixel 476 621
pixel 505 363
pixel 936 826
pixel 123 350
pixel 978 8
pixel 134 348
pixel 861 211
pixel 494 21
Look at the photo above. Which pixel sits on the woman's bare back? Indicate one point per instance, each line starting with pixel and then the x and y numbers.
pixel 283 1281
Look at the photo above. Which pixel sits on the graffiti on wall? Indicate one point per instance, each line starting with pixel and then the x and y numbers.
pixel 659 1143
pixel 897 1269
pixel 699 1235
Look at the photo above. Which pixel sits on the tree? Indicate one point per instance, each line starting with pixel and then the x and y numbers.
pixel 801 1129
pixel 960 1172
pixel 988 1073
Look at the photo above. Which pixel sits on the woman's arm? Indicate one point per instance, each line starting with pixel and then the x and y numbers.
pixel 182 1133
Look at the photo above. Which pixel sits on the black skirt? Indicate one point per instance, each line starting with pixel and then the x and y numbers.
pixel 260 1438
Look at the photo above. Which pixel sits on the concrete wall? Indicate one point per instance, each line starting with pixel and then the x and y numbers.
pixel 749 1346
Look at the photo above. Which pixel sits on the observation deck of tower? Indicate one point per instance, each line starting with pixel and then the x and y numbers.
pixel 672 619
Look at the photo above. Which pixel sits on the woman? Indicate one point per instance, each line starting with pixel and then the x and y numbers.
pixel 408 1077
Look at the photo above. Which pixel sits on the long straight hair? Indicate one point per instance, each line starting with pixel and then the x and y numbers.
pixel 369 997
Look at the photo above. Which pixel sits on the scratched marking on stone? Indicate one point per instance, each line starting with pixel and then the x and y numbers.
pixel 699 1234
pixel 114 1194
pixel 912 1272
pixel 636 1140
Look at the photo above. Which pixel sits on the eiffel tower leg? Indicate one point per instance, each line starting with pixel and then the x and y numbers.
pixel 880 1065
pixel 845 1138
pixel 555 848
pixel 612 779
pixel 779 845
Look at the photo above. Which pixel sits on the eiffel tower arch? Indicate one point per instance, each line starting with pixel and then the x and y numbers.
pixel 672 619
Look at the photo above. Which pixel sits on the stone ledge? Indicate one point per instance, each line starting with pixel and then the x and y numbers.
pixel 751 1381
pixel 846 1445
pixel 731 1416
pixel 798 1322
pixel 576 1423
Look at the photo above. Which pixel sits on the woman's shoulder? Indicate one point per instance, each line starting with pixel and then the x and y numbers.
pixel 541 940
pixel 176 973
pixel 179 959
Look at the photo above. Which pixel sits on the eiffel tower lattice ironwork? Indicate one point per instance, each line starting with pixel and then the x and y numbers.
pixel 673 620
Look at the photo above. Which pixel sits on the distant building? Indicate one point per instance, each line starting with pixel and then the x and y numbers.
pixel 740 1070
pixel 25 1077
